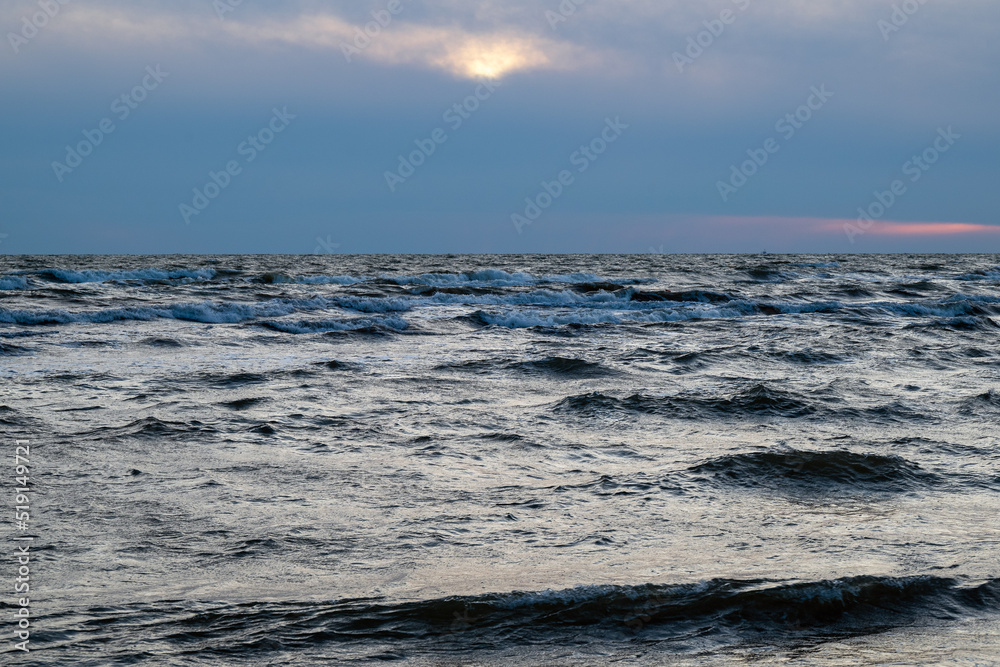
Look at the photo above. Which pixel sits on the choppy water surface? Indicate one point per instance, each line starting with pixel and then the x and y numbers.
pixel 508 459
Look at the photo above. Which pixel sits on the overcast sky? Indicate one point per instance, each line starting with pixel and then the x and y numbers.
pixel 499 126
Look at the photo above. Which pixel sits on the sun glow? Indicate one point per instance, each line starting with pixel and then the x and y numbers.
pixel 492 57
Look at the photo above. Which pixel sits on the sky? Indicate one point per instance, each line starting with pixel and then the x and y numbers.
pixel 499 126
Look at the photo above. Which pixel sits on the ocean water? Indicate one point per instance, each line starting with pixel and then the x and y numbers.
pixel 523 460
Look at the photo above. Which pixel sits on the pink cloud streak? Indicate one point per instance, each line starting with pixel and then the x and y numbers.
pixel 880 228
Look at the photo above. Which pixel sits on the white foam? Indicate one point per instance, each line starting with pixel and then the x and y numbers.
pixel 13 283
pixel 68 276
pixel 518 309
pixel 990 274
pixel 939 309
pixel 209 312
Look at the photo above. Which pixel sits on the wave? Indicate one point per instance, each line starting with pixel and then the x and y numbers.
pixel 209 312
pixel 758 400
pixel 336 365
pixel 484 277
pixel 150 427
pixel 987 402
pixel 957 305
pixel 162 342
pixel 234 380
pixel 608 485
pixel 281 278
pixel 9 350
pixel 914 288
pixel 698 296
pixel 696 615
pixel 500 278
pixel 481 278
pixel 895 411
pixel 532 317
pixel 13 283
pixel 360 324
pixel 559 366
pixel 244 403
pixel 149 275
pixel 154 275
pixel 562 366
pixel 823 471
pixel 809 357
pixel 544 307
pixel 329 280
pixel 990 274
pixel 854 291
pixel 771 274
pixel 589 287
pixel 366 304
pixel 637 307
pixel 958 324
pixel 487 298
pixel 544 297
pixel 222 312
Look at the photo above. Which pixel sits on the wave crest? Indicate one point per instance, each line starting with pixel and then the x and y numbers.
pixel 823 471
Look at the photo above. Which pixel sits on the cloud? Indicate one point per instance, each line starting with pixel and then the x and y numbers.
pixel 783 232
pixel 931 228
pixel 455 50
pixel 465 52
pixel 493 38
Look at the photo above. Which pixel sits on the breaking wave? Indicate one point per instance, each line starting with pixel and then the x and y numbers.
pixel 716 612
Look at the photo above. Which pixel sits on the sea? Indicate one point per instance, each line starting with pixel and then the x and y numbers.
pixel 501 459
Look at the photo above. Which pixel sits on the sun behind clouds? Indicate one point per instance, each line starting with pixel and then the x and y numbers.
pixel 492 57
